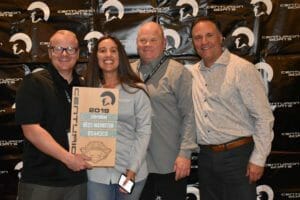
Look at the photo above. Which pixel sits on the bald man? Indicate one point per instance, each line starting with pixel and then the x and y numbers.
pixel 43 110
pixel 173 126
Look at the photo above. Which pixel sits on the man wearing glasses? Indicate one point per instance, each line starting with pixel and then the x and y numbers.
pixel 43 111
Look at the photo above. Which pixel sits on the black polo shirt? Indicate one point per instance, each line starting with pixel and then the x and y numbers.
pixel 44 98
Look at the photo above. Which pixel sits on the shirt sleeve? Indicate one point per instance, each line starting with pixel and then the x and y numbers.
pixel 28 102
pixel 254 96
pixel 143 112
pixel 183 93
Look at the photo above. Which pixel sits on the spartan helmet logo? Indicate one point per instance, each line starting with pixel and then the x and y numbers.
pixel 23 37
pixel 264 192
pixel 171 33
pixel 112 3
pixel 89 38
pixel 262 7
pixel 107 98
pixel 266 72
pixel 191 3
pixel 244 37
pixel 37 7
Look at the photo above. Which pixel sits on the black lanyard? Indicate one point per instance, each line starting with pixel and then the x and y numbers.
pixel 162 60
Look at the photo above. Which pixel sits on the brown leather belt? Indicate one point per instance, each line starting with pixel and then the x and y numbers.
pixel 229 145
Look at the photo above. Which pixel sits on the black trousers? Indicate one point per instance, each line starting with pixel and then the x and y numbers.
pixel 164 187
pixel 28 191
pixel 222 175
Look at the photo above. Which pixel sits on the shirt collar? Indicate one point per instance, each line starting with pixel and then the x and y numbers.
pixel 54 73
pixel 223 60
pixel 150 66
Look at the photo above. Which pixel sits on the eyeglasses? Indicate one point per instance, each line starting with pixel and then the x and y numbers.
pixel 60 50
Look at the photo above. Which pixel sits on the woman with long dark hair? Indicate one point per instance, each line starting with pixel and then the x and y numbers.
pixel 109 67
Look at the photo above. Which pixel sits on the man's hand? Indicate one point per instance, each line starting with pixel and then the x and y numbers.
pixel 254 172
pixel 77 162
pixel 182 167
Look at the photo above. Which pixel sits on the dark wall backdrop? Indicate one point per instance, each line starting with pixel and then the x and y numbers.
pixel 265 32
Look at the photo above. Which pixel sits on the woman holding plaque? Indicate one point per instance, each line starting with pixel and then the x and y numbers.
pixel 109 67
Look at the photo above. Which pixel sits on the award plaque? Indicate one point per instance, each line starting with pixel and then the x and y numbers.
pixel 93 128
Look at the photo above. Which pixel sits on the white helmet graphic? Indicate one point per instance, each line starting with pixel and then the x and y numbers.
pixel 92 35
pixel 113 3
pixel 39 5
pixel 23 37
pixel 175 36
pixel 262 7
pixel 246 32
pixel 194 6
